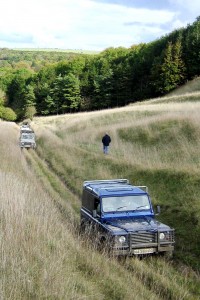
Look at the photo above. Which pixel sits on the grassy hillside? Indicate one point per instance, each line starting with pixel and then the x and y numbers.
pixel 189 92
pixel 155 144
pixel 43 256
pixel 190 87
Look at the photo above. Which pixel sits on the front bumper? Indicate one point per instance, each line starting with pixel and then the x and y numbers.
pixel 27 145
pixel 148 249
pixel 141 243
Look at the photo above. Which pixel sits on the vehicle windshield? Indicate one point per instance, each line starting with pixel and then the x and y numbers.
pixel 28 136
pixel 125 203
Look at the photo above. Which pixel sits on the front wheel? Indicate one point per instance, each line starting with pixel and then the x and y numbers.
pixel 168 255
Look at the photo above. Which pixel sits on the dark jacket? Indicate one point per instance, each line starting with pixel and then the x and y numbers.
pixel 106 140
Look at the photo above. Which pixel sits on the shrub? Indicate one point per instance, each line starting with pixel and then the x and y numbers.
pixel 7 114
pixel 30 112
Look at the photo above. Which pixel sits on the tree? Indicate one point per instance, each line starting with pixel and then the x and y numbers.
pixel 29 102
pixel 44 102
pixel 57 94
pixel 29 95
pixel 16 91
pixel 191 49
pixel 48 106
pixel 169 73
pixel 179 65
pixel 66 93
pixel 71 93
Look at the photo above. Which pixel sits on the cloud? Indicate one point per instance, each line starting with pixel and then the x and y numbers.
pixel 153 4
pixel 84 24
pixel 190 6
pixel 188 10
pixel 16 38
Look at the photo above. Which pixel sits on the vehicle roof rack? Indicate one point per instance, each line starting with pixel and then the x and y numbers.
pixel 143 187
pixel 123 181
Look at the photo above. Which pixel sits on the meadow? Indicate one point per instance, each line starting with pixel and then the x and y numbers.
pixel 155 143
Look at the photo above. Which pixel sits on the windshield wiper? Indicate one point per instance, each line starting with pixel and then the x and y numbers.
pixel 139 207
pixel 130 209
pixel 120 207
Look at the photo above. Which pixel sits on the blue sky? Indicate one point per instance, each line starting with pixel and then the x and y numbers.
pixel 91 24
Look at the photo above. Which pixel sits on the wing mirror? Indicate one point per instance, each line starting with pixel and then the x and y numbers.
pixel 158 210
pixel 94 213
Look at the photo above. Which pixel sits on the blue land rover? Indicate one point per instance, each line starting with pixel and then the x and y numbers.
pixel 123 217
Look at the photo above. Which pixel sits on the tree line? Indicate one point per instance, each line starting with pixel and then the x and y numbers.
pixel 115 77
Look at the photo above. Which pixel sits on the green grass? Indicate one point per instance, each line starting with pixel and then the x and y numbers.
pixel 161 133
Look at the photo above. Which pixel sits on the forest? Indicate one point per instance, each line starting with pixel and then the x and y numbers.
pixel 55 82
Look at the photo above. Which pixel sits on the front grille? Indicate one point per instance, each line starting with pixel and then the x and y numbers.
pixel 139 238
pixel 170 237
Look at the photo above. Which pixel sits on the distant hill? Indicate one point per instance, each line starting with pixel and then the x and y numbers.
pixel 79 51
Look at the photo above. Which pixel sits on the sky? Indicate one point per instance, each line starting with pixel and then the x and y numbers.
pixel 91 24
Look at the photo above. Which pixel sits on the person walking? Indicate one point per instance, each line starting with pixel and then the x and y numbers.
pixel 106 140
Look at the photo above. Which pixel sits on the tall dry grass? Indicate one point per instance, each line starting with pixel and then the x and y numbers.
pixel 190 87
pixel 86 130
pixel 42 256
pixel 168 161
pixel 35 245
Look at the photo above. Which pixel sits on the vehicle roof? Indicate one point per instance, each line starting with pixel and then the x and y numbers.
pixel 112 188
pixel 25 126
pixel 27 130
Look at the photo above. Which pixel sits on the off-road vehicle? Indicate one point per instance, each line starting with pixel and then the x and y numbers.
pixel 27 138
pixel 121 215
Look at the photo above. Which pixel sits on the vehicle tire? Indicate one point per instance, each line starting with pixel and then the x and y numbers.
pixel 168 255
pixel 82 227
pixel 101 244
pixel 85 227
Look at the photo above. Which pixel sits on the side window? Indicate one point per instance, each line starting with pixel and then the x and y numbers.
pixel 97 205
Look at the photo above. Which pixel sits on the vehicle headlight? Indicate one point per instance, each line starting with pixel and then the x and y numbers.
pixel 122 239
pixel 162 236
